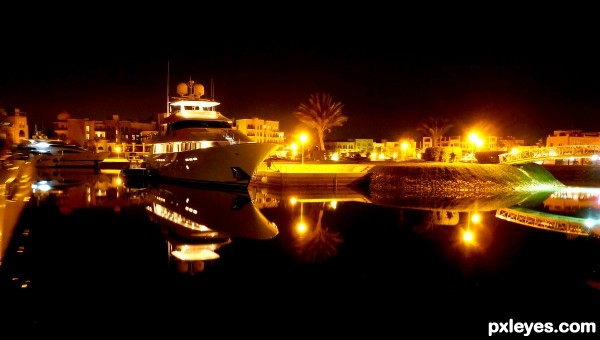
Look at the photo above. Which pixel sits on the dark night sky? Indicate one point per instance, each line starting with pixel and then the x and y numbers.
pixel 389 72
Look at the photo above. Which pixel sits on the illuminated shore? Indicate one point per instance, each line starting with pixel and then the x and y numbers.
pixel 422 178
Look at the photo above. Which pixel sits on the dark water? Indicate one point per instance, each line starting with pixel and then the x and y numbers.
pixel 94 256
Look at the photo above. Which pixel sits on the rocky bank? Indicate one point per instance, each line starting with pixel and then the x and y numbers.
pixel 455 180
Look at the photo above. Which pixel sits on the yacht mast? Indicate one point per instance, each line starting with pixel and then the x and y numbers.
pixel 168 106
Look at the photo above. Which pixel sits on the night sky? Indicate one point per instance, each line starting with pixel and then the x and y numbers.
pixel 390 72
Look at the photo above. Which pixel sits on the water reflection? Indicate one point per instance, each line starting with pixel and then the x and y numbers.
pixel 15 191
pixel 196 222
pixel 337 251
pixel 572 210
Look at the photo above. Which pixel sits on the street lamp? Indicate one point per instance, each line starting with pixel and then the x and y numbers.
pixel 302 140
pixel 403 148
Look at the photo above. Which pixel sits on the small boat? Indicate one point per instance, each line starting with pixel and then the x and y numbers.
pixel 60 154
pixel 198 144
pixel 115 163
pixel 135 177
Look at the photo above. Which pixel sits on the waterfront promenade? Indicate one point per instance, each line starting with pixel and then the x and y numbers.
pixel 288 174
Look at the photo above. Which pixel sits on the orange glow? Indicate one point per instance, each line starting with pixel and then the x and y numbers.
pixel 301 228
pixel 476 217
pixel 468 237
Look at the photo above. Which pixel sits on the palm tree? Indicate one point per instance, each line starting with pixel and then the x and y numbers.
pixel 435 128
pixel 322 114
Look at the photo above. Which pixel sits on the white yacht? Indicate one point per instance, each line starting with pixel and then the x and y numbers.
pixel 198 144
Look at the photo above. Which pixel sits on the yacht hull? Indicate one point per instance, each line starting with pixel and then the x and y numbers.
pixel 231 165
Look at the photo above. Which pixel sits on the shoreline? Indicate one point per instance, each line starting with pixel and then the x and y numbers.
pixel 424 178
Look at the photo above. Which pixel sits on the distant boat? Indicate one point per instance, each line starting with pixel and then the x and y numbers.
pixel 198 144
pixel 60 154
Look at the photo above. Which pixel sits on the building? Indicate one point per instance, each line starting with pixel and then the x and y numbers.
pixel 471 143
pixel 260 130
pixel 572 137
pixel 340 147
pixel 509 142
pixel 402 150
pixel 102 135
pixel 17 128
pixel 363 146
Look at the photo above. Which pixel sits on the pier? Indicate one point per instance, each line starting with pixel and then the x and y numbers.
pixel 309 174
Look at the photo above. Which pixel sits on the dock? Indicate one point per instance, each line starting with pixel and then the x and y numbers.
pixel 311 174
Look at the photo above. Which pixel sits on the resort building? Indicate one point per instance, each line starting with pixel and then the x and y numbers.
pixel 384 150
pixel 402 150
pixel 469 143
pixel 104 135
pixel 340 147
pixel 260 130
pixel 16 128
pixel 572 137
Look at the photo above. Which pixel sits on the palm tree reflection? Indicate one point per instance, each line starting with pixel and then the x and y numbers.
pixel 315 242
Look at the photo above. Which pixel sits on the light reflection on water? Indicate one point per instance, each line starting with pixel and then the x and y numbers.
pixel 331 252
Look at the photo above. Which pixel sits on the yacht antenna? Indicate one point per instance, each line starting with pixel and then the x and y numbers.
pixel 168 106
pixel 212 89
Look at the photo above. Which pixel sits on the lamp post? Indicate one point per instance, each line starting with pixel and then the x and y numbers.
pixel 403 148
pixel 302 140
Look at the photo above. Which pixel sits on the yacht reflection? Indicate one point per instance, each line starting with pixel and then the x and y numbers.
pixel 197 221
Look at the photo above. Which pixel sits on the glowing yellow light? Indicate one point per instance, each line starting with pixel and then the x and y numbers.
pixel 335 157
pixel 293 200
pixel 301 228
pixel 468 236
pixel 303 140
pixel 333 204
pixel 119 181
pixel 473 138
pixel 514 151
pixel 476 217
pixel 404 146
